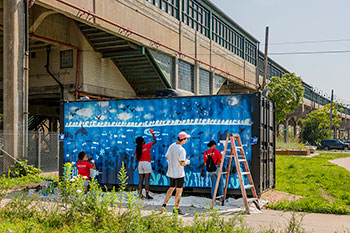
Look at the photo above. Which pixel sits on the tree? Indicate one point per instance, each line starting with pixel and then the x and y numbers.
pixel 287 92
pixel 316 125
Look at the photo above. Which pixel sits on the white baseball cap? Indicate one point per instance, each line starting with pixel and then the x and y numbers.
pixel 183 135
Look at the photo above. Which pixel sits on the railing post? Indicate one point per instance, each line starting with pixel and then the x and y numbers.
pixel 58 152
pixel 39 150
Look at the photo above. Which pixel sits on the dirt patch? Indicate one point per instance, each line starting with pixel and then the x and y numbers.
pixel 53 174
pixel 274 196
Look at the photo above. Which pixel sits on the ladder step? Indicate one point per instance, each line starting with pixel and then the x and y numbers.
pixel 249 186
pixel 242 160
pixel 245 173
pixel 223 173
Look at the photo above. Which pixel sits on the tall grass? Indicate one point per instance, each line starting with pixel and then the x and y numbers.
pixel 96 211
pixel 292 144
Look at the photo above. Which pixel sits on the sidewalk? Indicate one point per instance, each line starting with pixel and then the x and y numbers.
pixel 318 223
pixel 273 219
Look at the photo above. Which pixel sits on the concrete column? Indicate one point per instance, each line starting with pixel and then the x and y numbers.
pixel 13 50
pixel 212 83
pixel 175 81
pixel 196 79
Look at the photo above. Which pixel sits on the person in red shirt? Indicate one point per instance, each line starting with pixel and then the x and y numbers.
pixel 84 166
pixel 216 156
pixel 143 156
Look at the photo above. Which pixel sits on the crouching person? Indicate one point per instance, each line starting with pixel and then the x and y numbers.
pixel 84 166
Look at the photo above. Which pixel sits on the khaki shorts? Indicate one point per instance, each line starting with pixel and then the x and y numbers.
pixel 145 167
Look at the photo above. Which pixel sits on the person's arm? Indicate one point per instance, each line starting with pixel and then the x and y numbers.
pixel 182 158
pixel 154 139
pixel 218 155
pixel 183 163
pixel 92 165
pixel 205 157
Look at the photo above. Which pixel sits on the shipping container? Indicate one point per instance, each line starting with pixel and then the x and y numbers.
pixel 106 130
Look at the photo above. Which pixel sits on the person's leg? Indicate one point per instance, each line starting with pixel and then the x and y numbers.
pixel 140 184
pixel 147 177
pixel 221 186
pixel 86 186
pixel 169 193
pixel 213 182
pixel 178 197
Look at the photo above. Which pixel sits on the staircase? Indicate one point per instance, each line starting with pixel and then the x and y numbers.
pixel 135 62
pixel 35 121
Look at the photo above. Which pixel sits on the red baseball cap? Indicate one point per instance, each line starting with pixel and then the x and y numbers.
pixel 183 135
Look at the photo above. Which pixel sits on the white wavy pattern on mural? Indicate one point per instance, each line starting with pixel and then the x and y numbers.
pixel 88 124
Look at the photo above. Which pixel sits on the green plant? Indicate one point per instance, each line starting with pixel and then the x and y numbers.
pixel 316 125
pixel 122 177
pixel 21 168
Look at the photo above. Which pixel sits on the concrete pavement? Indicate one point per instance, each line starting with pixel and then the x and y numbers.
pixel 342 162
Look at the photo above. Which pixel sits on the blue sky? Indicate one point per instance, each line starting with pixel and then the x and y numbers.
pixel 301 20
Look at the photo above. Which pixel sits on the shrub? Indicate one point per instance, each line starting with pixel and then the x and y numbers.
pixel 21 168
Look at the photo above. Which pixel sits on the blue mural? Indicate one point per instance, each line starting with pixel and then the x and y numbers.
pixel 107 130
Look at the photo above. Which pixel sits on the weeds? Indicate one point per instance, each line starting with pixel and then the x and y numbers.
pixel 97 211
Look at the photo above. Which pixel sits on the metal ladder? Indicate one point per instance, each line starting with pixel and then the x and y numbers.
pixel 232 138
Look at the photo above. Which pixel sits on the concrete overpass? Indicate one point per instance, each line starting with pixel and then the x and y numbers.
pixel 120 49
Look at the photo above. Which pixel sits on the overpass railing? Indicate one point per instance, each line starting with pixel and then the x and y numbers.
pixel 208 20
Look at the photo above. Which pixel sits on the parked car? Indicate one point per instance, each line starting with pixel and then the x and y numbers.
pixel 334 144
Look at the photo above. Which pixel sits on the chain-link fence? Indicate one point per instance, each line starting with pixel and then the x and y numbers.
pixel 43 150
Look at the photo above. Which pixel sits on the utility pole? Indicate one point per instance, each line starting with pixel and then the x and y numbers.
pixel 265 56
pixel 331 114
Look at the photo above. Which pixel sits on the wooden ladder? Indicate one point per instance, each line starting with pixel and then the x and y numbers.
pixel 232 138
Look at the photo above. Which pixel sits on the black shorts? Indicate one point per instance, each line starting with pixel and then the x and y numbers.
pixel 177 182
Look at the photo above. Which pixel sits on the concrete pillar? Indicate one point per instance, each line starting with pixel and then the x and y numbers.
pixel 212 83
pixel 13 44
pixel 175 81
pixel 196 79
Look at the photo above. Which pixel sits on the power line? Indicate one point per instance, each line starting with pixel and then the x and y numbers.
pixel 311 52
pixel 309 42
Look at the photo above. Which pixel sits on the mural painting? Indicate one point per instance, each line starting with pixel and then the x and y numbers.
pixel 107 130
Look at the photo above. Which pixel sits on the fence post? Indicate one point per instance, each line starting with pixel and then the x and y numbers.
pixel 39 150
pixel 58 152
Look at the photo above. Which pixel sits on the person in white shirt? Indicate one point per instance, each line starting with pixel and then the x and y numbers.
pixel 176 157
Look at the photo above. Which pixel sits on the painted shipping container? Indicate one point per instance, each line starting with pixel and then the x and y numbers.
pixel 107 130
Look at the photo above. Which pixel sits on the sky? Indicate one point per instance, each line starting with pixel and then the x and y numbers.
pixel 300 21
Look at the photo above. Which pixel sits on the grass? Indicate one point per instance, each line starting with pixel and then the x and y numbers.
pixel 293 143
pixel 325 187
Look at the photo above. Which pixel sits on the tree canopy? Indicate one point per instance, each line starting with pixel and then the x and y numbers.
pixel 287 92
pixel 316 125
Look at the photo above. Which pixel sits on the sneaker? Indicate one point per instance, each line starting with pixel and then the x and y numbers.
pixel 148 197
pixel 179 211
pixel 163 208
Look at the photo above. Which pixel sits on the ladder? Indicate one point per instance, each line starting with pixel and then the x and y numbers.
pixel 238 158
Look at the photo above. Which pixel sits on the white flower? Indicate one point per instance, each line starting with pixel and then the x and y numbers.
pixel 84 203
pixel 85 177
pixel 75 177
pixel 73 163
pixel 72 180
pixel 79 191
